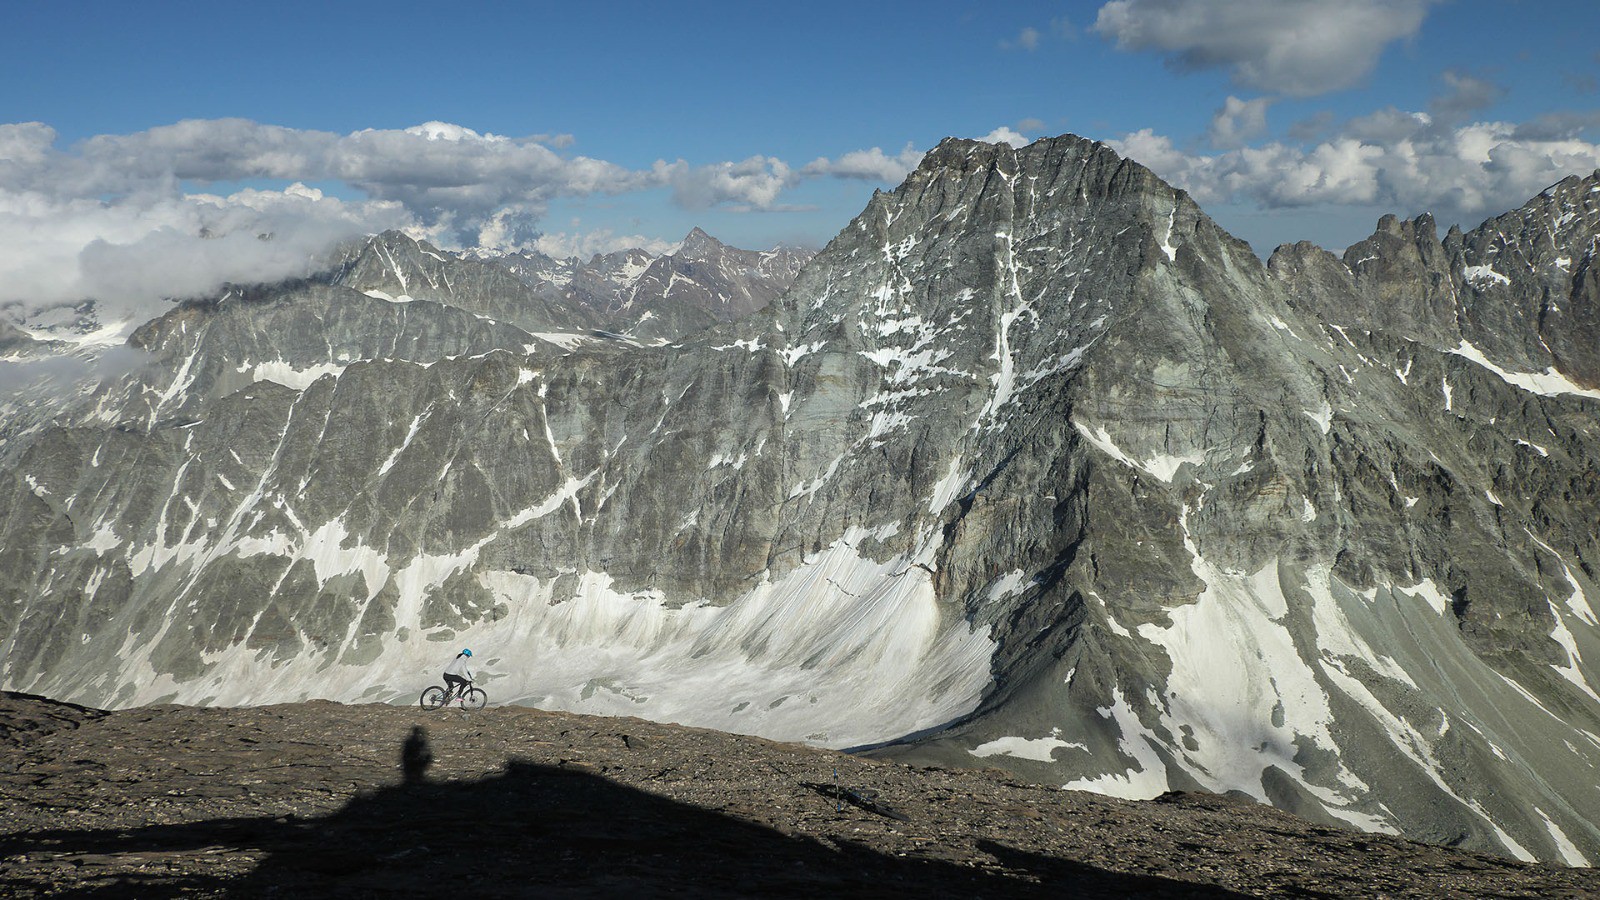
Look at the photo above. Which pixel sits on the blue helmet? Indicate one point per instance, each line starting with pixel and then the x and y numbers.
pixel 466 652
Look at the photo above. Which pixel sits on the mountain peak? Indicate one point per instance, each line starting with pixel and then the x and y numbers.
pixel 393 238
pixel 697 242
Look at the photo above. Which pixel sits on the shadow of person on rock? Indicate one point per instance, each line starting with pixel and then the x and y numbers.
pixel 415 757
pixel 551 831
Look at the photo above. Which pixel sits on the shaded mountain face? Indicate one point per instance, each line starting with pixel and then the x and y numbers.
pixel 1033 466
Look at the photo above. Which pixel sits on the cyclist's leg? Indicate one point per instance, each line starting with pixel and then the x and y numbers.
pixel 454 687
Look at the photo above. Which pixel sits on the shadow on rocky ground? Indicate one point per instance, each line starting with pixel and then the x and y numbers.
pixel 322 799
pixel 539 830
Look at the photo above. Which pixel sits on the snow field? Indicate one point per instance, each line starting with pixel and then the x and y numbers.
pixel 841 651
pixel 1246 693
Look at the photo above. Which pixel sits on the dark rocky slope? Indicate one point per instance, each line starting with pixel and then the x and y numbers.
pixel 312 797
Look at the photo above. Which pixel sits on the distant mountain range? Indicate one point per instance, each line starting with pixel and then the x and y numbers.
pixel 1032 466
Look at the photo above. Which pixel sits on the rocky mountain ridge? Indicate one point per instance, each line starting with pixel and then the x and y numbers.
pixel 699 284
pixel 1033 465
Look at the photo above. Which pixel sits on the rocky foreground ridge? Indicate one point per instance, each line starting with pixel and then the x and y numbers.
pixel 289 799
pixel 1033 466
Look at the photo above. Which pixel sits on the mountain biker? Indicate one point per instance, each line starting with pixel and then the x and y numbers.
pixel 458 675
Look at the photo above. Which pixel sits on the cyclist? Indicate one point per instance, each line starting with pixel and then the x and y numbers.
pixel 458 676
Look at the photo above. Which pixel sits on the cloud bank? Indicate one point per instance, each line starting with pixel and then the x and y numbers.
pixel 118 218
pixel 585 245
pixel 1393 159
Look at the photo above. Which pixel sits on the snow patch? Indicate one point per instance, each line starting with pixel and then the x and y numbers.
pixel 566 340
pixel 1137 743
pixel 1038 749
pixel 380 295
pixel 1572 672
pixel 1549 383
pixel 1163 466
pixel 1482 274
pixel 1536 448
pixel 796 353
pixel 1322 416
pixel 807 488
pixel 1429 593
pixel 948 487
pixel 839 652
pixel 1568 850
pixel 103 540
pixel 288 375
pixel 1010 583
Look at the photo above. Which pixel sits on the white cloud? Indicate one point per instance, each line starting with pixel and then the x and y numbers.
pixel 563 245
pixel 58 373
pixel 1026 39
pixel 116 217
pixel 134 253
pixel 195 150
pixel 753 183
pixel 1398 160
pixel 1030 37
pixel 1157 152
pixel 449 177
pixel 1238 121
pixel 1296 47
pixel 1313 127
pixel 437 170
pixel 1005 135
pixel 445 131
pixel 506 229
pixel 468 176
pixel 867 165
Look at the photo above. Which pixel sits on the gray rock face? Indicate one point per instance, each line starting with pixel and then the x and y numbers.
pixel 1032 466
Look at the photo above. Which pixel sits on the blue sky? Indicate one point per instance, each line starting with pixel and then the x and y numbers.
pixel 632 122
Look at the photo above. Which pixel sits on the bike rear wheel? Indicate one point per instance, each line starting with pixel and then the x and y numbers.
pixel 433 697
pixel 475 698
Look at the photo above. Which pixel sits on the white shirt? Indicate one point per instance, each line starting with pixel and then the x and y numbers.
pixel 461 667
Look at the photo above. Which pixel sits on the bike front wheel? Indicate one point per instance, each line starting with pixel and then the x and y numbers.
pixel 433 697
pixel 475 698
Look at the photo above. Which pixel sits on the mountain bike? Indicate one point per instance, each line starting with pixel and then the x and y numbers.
pixel 438 696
